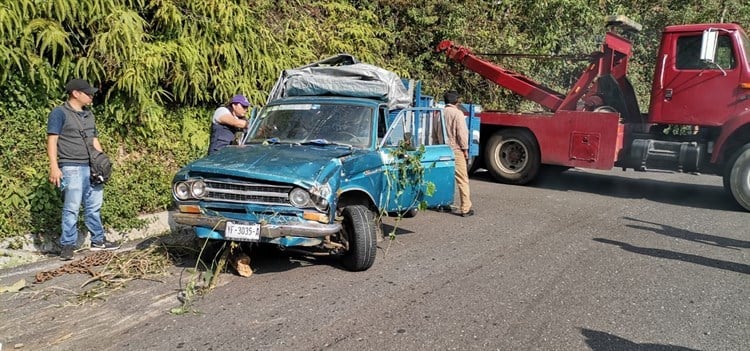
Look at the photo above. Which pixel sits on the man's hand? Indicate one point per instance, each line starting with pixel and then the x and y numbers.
pixel 55 176
pixel 466 154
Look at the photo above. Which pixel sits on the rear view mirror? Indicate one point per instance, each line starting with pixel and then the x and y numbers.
pixel 708 45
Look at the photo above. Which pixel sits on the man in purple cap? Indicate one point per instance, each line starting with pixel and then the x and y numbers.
pixel 69 128
pixel 227 121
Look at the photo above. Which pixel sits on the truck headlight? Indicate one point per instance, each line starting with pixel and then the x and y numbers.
pixel 299 197
pixel 182 191
pixel 320 194
pixel 321 204
pixel 198 189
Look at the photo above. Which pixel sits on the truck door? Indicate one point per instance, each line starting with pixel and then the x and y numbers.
pixel 695 92
pixel 412 130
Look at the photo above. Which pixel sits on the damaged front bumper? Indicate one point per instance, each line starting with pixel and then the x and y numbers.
pixel 217 225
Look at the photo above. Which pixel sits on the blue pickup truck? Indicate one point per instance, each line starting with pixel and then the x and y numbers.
pixel 315 172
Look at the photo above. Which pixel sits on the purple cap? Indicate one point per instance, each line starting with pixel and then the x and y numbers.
pixel 240 99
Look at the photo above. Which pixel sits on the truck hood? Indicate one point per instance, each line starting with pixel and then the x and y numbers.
pixel 295 164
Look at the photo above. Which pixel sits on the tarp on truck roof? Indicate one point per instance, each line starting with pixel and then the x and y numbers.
pixel 342 75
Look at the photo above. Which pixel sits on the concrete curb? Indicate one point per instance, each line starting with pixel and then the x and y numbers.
pixel 32 249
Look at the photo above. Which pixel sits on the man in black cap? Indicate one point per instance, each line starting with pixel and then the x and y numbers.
pixel 67 127
pixel 458 139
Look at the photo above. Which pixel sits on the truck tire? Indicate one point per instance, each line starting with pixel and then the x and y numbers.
pixel 360 231
pixel 738 177
pixel 512 156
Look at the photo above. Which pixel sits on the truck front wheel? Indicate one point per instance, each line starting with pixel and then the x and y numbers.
pixel 738 177
pixel 360 233
pixel 512 156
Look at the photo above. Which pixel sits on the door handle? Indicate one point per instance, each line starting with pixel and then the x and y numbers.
pixel 668 94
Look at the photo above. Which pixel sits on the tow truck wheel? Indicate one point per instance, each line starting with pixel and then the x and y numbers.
pixel 360 231
pixel 739 177
pixel 512 156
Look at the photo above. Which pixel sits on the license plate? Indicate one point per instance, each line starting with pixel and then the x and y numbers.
pixel 242 232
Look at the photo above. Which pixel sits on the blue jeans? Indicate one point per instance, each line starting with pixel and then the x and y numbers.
pixel 78 190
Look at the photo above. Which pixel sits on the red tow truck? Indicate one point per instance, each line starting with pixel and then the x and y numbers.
pixel 701 86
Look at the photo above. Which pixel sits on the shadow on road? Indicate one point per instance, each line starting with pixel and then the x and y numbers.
pixel 672 255
pixel 186 251
pixel 602 341
pixel 400 230
pixel 668 230
pixel 682 194
pixel 264 258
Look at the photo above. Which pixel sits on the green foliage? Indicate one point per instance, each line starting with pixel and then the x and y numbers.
pixel 406 176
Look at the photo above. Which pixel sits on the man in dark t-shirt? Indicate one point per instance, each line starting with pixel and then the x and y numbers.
pixel 71 129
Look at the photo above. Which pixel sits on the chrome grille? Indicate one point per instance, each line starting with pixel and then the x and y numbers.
pixel 246 192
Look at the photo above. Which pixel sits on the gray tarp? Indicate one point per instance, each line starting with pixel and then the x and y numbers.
pixel 351 79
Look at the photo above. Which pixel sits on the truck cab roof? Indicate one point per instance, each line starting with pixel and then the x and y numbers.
pixel 702 27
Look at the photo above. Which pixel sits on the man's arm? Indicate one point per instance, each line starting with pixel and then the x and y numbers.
pixel 55 174
pixel 462 133
pixel 230 120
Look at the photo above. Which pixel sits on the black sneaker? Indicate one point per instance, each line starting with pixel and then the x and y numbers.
pixel 468 213
pixel 106 245
pixel 66 254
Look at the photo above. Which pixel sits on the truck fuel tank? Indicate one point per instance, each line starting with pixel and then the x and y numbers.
pixel 667 155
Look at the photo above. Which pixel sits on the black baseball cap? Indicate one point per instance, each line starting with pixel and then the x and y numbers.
pixel 450 97
pixel 80 85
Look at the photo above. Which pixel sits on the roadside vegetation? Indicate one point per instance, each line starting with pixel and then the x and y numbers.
pixel 163 66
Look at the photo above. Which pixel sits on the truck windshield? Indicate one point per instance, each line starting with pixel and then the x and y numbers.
pixel 746 45
pixel 302 123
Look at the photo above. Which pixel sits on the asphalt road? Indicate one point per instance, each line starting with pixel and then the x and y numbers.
pixel 583 260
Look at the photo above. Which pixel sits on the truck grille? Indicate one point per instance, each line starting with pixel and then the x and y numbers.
pixel 244 192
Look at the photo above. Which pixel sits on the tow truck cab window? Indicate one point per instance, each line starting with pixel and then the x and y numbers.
pixel 689 48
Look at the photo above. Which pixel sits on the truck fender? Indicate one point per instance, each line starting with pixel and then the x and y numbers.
pixel 356 196
pixel 734 134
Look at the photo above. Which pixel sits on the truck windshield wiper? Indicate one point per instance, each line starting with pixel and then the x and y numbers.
pixel 277 141
pixel 325 142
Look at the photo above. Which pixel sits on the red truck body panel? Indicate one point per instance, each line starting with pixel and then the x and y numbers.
pixel 568 138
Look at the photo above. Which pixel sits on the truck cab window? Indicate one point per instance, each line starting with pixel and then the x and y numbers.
pixel 397 132
pixel 725 53
pixel 688 53
pixel 382 125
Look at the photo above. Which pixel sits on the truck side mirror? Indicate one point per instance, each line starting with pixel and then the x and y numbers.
pixel 708 45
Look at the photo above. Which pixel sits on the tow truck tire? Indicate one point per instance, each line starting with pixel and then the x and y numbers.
pixel 512 156
pixel 738 177
pixel 360 230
